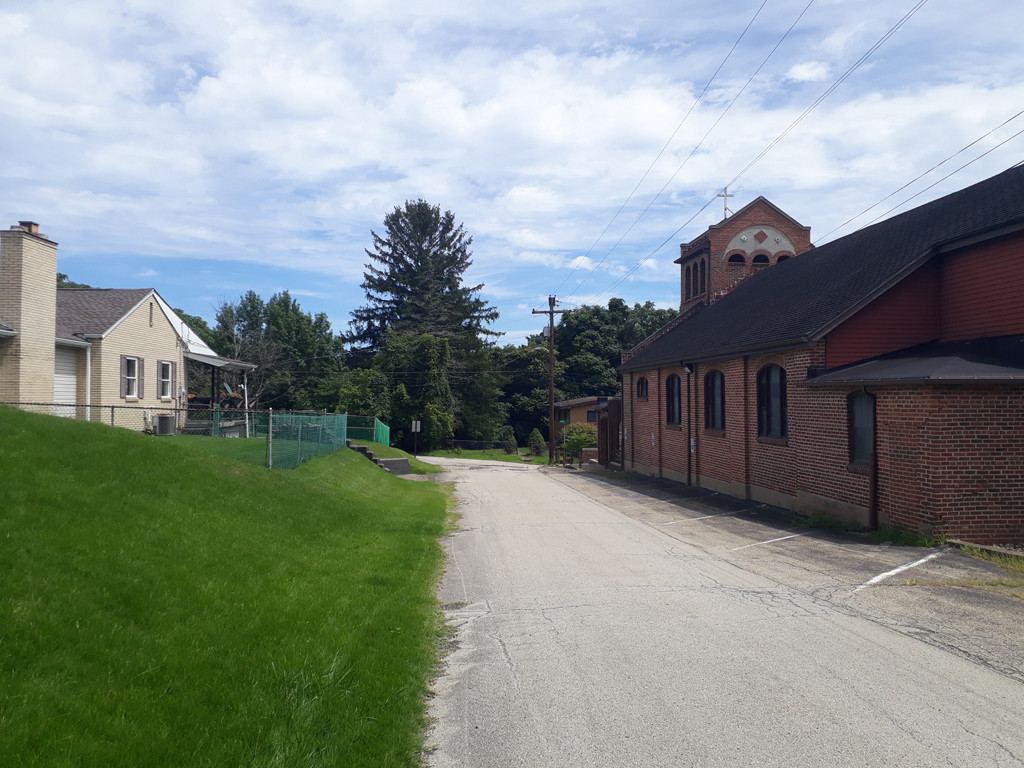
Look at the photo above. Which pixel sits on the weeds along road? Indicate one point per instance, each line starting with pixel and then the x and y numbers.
pixel 605 624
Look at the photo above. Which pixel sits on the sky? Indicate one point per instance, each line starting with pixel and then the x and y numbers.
pixel 210 148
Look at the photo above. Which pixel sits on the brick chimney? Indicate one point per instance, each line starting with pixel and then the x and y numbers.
pixel 28 309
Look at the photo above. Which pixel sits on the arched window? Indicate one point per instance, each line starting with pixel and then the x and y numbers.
pixel 860 416
pixel 771 402
pixel 641 387
pixel 761 260
pixel 689 284
pixel 673 400
pixel 782 258
pixel 703 277
pixel 714 400
pixel 737 258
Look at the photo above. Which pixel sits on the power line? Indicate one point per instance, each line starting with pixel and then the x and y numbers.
pixel 817 102
pixel 933 168
pixel 662 151
pixel 828 92
pixel 704 138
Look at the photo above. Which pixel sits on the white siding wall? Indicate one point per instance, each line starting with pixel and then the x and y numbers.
pixel 65 381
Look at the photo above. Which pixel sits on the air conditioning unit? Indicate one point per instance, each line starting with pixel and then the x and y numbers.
pixel 165 424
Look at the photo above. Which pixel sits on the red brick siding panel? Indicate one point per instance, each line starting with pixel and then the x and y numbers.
pixel 906 315
pixel 981 290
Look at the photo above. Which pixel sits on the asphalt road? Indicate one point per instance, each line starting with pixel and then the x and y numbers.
pixel 607 624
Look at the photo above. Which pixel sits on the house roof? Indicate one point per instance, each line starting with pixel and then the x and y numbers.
pixel 800 300
pixel 976 361
pixel 94 311
pixel 593 400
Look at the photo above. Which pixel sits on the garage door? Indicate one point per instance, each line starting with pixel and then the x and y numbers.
pixel 65 381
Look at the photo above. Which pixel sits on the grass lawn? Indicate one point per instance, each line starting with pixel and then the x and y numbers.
pixel 162 606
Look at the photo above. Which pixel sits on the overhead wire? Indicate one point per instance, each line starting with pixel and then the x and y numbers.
pixel 693 106
pixel 814 105
pixel 704 138
pixel 921 176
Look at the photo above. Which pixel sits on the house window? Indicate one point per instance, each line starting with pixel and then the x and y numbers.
pixel 165 379
pixel 673 402
pixel 689 284
pixel 131 377
pixel 714 400
pixel 771 402
pixel 703 277
pixel 760 260
pixel 860 414
pixel 592 416
pixel 737 258
pixel 641 387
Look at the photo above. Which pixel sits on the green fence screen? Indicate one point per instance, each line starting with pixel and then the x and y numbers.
pixel 293 438
pixel 368 428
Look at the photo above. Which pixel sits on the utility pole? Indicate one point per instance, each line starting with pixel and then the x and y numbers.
pixel 551 312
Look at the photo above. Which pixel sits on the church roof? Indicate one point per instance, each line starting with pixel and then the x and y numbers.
pixel 797 302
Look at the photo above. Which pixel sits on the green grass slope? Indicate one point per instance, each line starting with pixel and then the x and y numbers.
pixel 165 607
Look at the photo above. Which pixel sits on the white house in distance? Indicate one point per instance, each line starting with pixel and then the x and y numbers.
pixel 78 349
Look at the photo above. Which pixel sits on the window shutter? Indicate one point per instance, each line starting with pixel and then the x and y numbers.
pixel 142 378
pixel 174 381
pixel 124 376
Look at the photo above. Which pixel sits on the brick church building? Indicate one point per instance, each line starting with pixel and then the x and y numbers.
pixel 878 378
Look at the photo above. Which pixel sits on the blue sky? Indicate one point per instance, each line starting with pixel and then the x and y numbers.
pixel 205 149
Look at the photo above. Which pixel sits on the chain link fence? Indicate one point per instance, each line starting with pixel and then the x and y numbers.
pixel 292 437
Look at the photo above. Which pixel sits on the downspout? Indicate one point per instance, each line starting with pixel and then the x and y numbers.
pixel 873 475
pixel 661 421
pixel 689 425
pixel 746 426
pixel 630 436
pixel 88 383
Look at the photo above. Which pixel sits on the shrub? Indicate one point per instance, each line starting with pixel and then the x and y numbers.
pixel 507 436
pixel 577 437
pixel 538 446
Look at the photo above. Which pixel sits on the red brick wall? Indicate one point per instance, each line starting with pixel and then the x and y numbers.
pixel 982 289
pixel 906 315
pixel 722 455
pixel 950 459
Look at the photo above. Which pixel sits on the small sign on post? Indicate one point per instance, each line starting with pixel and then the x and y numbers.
pixel 415 435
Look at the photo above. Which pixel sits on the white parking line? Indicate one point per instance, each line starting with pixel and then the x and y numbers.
pixel 759 543
pixel 894 571
pixel 691 519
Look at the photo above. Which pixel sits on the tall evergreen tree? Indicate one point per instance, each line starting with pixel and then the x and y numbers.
pixel 414 282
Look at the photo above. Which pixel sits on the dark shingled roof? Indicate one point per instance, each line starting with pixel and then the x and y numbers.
pixel 798 301
pixel 949 362
pixel 94 310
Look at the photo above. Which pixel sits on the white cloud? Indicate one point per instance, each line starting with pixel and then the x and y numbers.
pixel 809 71
pixel 271 139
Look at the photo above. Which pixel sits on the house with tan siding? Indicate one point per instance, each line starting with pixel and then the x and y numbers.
pixel 75 350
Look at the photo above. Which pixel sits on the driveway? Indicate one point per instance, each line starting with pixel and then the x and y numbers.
pixel 608 624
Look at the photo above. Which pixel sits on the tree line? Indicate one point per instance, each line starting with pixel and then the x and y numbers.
pixel 421 348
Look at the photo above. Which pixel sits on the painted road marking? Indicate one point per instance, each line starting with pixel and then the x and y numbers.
pixel 894 571
pixel 691 519
pixel 770 541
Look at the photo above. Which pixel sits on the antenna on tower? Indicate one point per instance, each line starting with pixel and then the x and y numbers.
pixel 724 194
